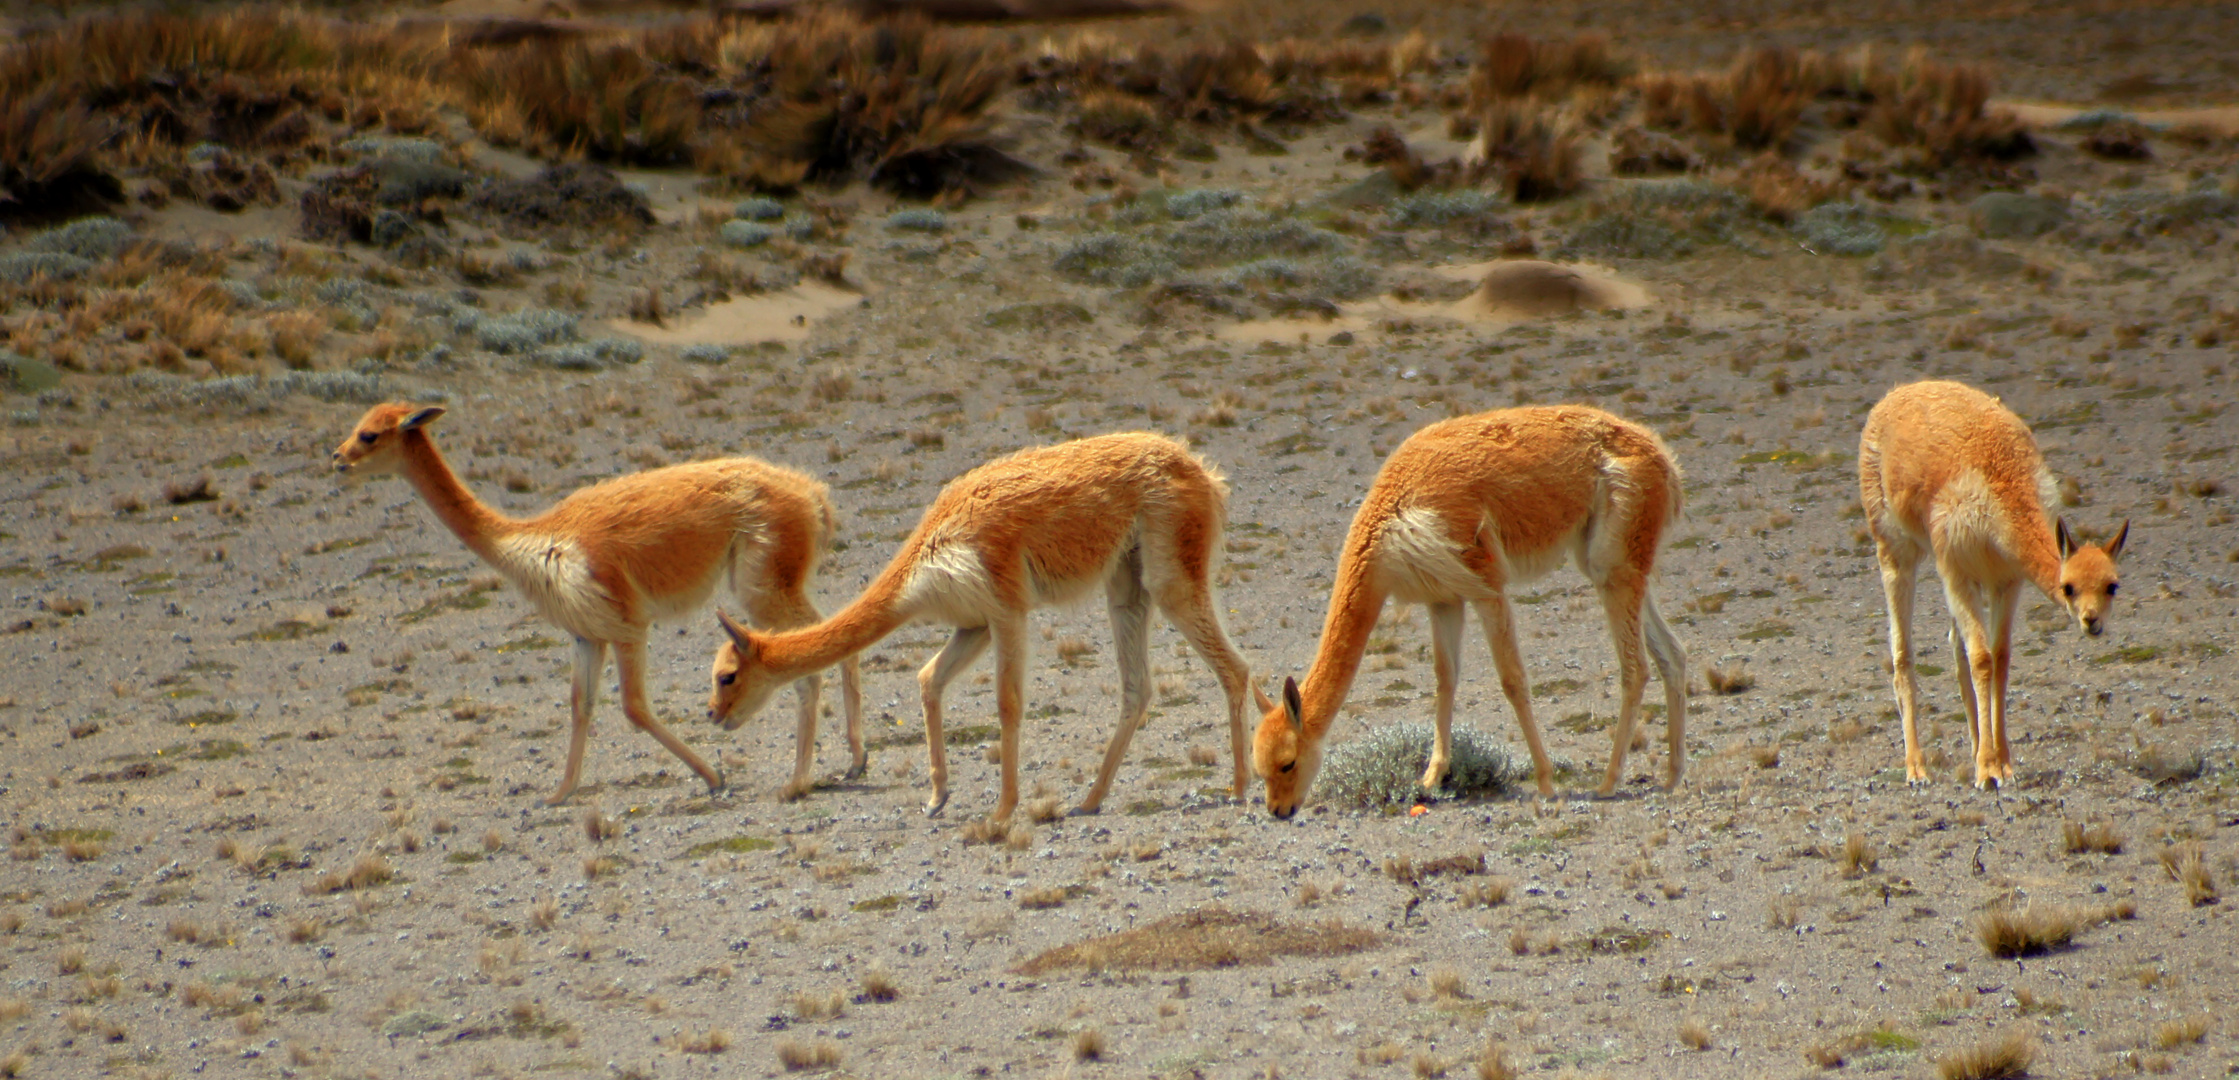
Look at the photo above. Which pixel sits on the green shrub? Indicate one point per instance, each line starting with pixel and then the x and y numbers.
pixel 1385 767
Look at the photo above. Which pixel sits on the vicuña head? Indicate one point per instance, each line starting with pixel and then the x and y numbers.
pixel 2088 578
pixel 1282 756
pixel 743 684
pixel 373 447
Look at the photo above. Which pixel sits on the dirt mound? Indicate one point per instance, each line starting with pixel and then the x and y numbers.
pixel 575 195
pixel 1532 289
pixel 1211 938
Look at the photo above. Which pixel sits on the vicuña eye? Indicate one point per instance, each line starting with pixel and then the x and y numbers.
pixel 2112 586
pixel 367 437
pixel 2068 590
pixel 727 678
pixel 1288 767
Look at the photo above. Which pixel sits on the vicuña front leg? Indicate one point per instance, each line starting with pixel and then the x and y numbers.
pixel 1446 667
pixel 2003 604
pixel 808 688
pixel 964 646
pixel 629 664
pixel 851 703
pixel 583 700
pixel 1978 670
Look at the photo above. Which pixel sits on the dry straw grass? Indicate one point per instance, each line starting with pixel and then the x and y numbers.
pixel 2099 839
pixel 2005 1055
pixel 2188 866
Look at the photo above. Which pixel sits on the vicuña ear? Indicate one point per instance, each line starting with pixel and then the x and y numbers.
pixel 421 417
pixel 2067 539
pixel 739 634
pixel 1293 706
pixel 2114 546
pixel 1266 705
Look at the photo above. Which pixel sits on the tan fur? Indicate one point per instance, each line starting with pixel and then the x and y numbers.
pixel 1464 509
pixel 1136 513
pixel 613 558
pixel 1944 469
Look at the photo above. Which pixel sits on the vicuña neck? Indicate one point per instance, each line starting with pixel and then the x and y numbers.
pixel 850 630
pixel 478 526
pixel 2040 556
pixel 1354 605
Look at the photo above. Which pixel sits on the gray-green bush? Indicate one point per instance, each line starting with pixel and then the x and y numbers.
pixel 1385 767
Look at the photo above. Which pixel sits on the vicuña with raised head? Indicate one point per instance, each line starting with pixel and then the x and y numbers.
pixel 1462 511
pixel 611 559
pixel 1136 513
pixel 1946 470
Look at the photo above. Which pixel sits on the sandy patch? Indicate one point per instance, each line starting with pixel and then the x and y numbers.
pixel 2220 118
pixel 776 316
pixel 1512 291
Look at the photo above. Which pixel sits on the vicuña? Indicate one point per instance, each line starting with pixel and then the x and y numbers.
pixel 1135 513
pixel 613 558
pixel 1462 511
pixel 1944 469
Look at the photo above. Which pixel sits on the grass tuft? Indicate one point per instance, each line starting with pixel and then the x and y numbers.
pixel 1385 769
pixel 2000 1056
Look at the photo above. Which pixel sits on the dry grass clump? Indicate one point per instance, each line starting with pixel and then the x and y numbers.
pixel 598 827
pixel 1858 857
pixel 878 985
pixel 1694 1036
pixel 2100 839
pixel 1513 65
pixel 2171 1034
pixel 796 1055
pixel 1535 153
pixel 1089 1045
pixel 2188 866
pixel 711 1041
pixel 2000 1056
pixel 368 871
pixel 1728 679
pixel 2008 932
pixel 1493 1064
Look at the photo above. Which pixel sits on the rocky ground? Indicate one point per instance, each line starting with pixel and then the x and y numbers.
pixel 275 749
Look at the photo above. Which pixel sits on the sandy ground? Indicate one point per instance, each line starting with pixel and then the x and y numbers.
pixel 212 711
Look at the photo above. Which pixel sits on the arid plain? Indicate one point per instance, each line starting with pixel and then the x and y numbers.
pixel 273 749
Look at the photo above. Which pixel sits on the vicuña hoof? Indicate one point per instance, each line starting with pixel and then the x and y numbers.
pixel 935 805
pixel 1084 811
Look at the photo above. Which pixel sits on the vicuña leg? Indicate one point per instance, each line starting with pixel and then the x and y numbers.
pixel 1500 634
pixel 1899 566
pixel 2003 603
pixel 1130 608
pixel 1188 604
pixel 1671 667
pixel 1010 704
pixel 1979 668
pixel 1621 593
pixel 583 700
pixel 780 613
pixel 1446 669
pixel 629 665
pixel 964 646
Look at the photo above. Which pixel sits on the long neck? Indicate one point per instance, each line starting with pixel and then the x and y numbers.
pixel 879 611
pixel 2038 550
pixel 478 526
pixel 1354 604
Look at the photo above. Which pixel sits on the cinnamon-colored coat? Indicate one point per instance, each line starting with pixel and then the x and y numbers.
pixel 612 559
pixel 1459 513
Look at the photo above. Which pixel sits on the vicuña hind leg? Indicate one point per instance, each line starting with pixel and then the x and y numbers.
pixel 1898 570
pixel 1671 667
pixel 583 700
pixel 1621 604
pixel 1130 609
pixel 1446 669
pixel 964 646
pixel 1500 634
pixel 1188 604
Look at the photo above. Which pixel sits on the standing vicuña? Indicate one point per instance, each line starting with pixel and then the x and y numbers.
pixel 613 558
pixel 1945 469
pixel 1464 509
pixel 1136 513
